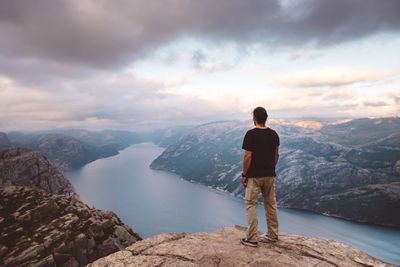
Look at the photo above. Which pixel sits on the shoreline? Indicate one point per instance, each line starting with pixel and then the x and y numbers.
pixel 218 189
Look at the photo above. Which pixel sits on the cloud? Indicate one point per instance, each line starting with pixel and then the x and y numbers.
pixel 330 77
pixel 304 55
pixel 110 34
pixel 201 69
pixel 64 63
pixel 375 104
pixel 340 94
pixel 113 101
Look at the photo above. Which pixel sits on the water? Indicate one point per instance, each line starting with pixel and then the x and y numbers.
pixel 153 202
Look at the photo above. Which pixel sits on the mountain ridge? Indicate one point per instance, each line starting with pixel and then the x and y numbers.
pixel 313 163
pixel 73 148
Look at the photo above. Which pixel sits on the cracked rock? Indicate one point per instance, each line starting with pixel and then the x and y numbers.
pixel 223 248
pixel 54 235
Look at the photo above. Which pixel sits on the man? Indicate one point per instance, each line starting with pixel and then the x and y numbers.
pixel 261 146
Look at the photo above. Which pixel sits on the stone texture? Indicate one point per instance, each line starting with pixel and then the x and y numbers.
pixel 223 248
pixel 23 167
pixel 44 229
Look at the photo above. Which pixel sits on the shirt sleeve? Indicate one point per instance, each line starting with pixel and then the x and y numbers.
pixel 248 142
pixel 277 141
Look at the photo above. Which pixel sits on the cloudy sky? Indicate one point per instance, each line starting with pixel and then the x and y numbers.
pixel 142 64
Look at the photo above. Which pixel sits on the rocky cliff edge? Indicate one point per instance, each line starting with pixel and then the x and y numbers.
pixel 223 248
pixel 24 167
pixel 44 229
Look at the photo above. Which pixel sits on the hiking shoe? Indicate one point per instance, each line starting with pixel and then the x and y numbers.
pixel 266 238
pixel 249 243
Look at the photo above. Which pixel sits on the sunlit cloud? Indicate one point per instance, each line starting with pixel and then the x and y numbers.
pixel 331 77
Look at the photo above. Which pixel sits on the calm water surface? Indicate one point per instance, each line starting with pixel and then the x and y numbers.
pixel 153 202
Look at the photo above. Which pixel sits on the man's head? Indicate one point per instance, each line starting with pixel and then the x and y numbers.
pixel 260 115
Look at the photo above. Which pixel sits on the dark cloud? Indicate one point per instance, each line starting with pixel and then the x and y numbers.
pixel 109 34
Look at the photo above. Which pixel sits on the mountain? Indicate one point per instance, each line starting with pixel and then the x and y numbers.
pixel 43 229
pixel 349 170
pixel 116 140
pixel 24 167
pixel 4 142
pixel 169 136
pixel 71 149
pixel 223 248
pixel 63 151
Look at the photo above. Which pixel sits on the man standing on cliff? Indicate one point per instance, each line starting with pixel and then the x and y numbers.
pixel 261 146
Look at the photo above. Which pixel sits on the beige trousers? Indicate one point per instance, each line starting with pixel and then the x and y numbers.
pixel 267 188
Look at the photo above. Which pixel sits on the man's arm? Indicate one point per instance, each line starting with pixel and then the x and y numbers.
pixel 276 155
pixel 246 165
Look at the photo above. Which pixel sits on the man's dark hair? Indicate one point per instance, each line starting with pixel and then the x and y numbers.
pixel 260 114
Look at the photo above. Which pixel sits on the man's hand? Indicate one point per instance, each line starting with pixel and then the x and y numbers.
pixel 244 181
pixel 246 165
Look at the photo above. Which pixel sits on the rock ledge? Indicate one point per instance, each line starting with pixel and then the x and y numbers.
pixel 223 248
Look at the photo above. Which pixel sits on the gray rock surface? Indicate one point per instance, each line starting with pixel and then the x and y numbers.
pixel 44 229
pixel 23 167
pixel 223 248
pixel 4 142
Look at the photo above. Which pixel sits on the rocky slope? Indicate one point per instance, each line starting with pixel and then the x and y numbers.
pixel 23 167
pixel 223 248
pixel 348 170
pixel 44 229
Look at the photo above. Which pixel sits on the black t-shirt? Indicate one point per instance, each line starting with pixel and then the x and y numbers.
pixel 262 143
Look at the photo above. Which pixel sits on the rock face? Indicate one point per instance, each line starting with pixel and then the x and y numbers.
pixel 43 229
pixel 23 167
pixel 223 248
pixel 4 142
pixel 349 170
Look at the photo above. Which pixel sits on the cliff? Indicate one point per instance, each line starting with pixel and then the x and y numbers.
pixel 44 229
pixel 43 223
pixel 223 248
pixel 23 167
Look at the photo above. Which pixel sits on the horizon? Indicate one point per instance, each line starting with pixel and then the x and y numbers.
pixel 296 122
pixel 129 65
